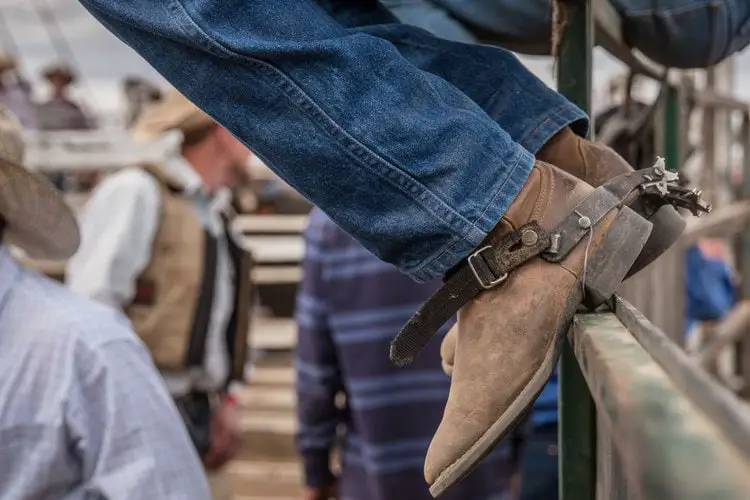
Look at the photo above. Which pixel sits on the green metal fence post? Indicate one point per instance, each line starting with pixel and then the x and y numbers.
pixel 577 437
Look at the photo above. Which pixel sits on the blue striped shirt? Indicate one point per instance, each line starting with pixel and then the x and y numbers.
pixel 349 308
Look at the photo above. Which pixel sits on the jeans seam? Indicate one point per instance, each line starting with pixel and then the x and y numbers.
pixel 452 245
pixel 519 155
pixel 368 158
pixel 535 131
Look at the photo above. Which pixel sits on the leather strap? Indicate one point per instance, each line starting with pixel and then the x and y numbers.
pixel 486 268
pixel 490 265
pixel 587 214
pixel 202 320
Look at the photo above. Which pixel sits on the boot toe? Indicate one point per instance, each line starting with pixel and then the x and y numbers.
pixel 446 448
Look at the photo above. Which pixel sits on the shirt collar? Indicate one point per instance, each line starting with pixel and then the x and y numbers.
pixel 180 170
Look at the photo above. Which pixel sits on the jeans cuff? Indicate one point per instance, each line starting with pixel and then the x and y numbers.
pixel 500 197
pixel 564 116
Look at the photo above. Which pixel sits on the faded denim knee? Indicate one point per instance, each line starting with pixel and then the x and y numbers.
pixel 686 33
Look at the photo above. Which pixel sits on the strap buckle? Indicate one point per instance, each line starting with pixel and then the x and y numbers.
pixel 484 284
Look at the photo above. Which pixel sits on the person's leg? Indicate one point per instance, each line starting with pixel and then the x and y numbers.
pixel 400 158
pixel 686 33
pixel 546 124
pixel 521 25
pixel 527 109
pixel 430 16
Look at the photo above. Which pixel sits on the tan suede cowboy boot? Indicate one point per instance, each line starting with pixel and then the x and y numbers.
pixel 596 163
pixel 558 240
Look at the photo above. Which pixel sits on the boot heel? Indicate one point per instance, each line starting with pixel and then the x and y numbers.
pixel 668 227
pixel 607 267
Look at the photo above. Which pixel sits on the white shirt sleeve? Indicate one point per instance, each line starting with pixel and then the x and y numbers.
pixel 118 226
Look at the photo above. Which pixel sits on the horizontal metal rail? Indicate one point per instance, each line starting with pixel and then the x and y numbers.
pixel 709 98
pixel 676 433
pixel 730 415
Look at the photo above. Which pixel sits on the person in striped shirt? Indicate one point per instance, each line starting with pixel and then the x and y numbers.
pixel 349 307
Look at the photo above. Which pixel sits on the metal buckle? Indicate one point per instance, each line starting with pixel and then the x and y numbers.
pixel 488 285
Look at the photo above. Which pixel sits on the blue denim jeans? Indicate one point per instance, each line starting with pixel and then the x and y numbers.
pixel 676 33
pixel 414 145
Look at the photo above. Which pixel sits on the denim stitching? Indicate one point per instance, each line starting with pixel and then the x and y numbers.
pixel 429 201
pixel 397 177
pixel 452 246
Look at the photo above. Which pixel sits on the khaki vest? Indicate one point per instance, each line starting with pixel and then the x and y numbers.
pixel 172 305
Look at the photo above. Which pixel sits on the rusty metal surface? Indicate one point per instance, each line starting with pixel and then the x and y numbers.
pixel 654 442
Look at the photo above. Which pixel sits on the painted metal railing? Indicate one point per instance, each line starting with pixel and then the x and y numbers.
pixel 639 418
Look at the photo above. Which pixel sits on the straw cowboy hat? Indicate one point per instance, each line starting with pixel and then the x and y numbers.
pixel 173 112
pixel 36 218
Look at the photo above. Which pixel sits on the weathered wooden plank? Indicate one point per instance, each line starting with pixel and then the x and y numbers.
pixel 731 329
pixel 725 221
pixel 655 291
pixel 668 448
pixel 719 405
pixel 273 333
pixel 275 249
pixel 270 224
pixel 276 275
pixel 712 99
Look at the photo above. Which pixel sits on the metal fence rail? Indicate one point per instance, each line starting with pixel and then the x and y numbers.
pixel 639 418
pixel 654 441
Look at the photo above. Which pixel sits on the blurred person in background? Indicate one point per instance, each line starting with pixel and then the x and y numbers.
pixel 349 307
pixel 156 245
pixel 60 112
pixel 139 94
pixel 15 92
pixel 675 33
pixel 84 412
pixel 711 288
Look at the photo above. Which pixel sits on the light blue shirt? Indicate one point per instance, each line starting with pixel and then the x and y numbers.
pixel 118 226
pixel 83 412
